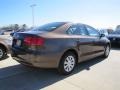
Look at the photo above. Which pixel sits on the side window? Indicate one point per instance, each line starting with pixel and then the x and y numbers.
pixel 92 31
pixel 83 30
pixel 74 30
pixel 77 30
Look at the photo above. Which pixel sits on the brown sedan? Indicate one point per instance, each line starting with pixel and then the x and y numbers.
pixel 59 45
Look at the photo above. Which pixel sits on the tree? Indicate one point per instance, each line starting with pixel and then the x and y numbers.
pixel 16 27
pixel 24 26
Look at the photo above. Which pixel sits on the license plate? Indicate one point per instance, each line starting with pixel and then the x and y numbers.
pixel 18 43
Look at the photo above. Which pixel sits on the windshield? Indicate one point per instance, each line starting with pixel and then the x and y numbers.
pixel 49 27
pixel 116 32
pixel 104 31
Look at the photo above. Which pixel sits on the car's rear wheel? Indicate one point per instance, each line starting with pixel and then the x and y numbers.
pixel 107 51
pixel 67 63
pixel 2 52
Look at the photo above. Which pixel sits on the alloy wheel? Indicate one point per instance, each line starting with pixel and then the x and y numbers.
pixel 69 63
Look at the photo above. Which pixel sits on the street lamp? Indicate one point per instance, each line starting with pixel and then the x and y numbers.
pixel 32 6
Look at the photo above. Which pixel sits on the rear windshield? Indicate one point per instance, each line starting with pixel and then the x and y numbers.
pixel 49 27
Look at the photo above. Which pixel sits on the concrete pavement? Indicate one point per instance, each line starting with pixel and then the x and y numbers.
pixel 96 74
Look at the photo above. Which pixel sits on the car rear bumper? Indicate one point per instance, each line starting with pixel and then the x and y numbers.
pixel 41 60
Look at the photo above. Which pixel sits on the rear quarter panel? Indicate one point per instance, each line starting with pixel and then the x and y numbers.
pixel 58 46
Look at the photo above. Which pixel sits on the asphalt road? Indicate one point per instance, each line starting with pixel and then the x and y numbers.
pixel 96 74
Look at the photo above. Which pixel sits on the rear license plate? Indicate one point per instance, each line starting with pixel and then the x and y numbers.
pixel 18 43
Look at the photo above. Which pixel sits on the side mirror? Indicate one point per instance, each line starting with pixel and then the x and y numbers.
pixel 102 35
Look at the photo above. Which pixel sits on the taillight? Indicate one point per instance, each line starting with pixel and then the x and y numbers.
pixel 34 41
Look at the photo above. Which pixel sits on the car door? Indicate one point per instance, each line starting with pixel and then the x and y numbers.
pixel 84 42
pixel 97 46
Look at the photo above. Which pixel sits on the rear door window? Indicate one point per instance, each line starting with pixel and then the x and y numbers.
pixel 74 29
pixel 83 30
pixel 77 30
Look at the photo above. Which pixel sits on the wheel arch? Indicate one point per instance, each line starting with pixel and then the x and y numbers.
pixel 73 51
pixel 109 44
pixel 3 46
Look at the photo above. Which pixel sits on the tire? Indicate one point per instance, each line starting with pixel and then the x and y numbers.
pixel 2 53
pixel 107 51
pixel 67 63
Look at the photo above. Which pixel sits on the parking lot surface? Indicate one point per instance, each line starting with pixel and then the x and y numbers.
pixel 96 74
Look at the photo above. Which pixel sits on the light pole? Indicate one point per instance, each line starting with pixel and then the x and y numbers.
pixel 32 6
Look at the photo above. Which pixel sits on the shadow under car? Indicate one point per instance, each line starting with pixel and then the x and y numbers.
pixel 22 77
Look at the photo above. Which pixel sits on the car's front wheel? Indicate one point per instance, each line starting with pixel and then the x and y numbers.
pixel 107 51
pixel 67 63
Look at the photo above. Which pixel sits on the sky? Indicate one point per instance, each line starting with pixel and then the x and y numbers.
pixel 97 13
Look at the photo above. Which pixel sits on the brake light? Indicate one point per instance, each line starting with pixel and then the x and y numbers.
pixel 35 41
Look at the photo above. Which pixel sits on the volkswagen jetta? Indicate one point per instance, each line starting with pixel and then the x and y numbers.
pixel 59 45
